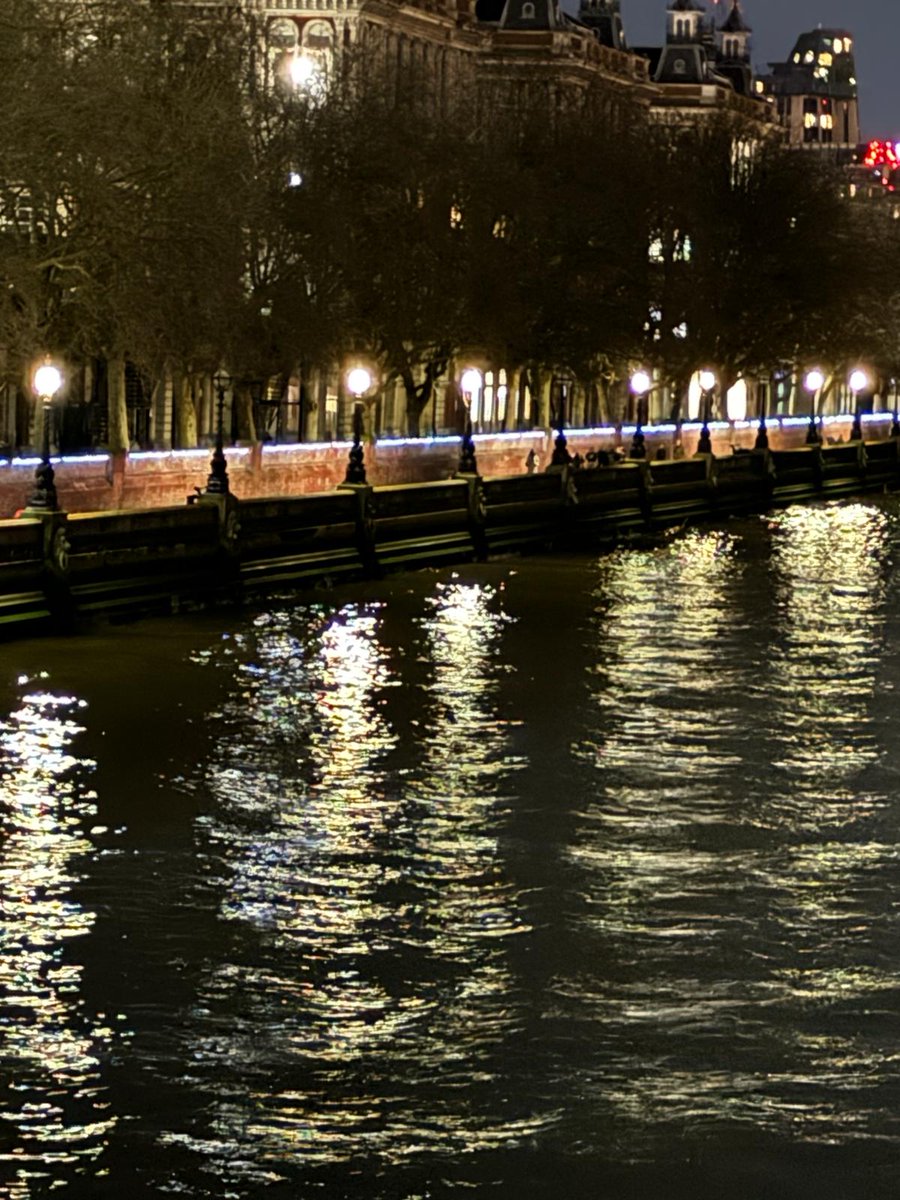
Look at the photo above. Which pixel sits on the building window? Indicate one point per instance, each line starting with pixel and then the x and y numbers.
pixel 528 11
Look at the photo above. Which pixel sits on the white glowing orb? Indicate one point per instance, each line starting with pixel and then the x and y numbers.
pixel 303 71
pixel 640 383
pixel 47 380
pixel 815 379
pixel 707 380
pixel 359 380
pixel 471 381
pixel 858 380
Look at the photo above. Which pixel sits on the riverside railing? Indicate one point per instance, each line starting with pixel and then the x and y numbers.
pixel 58 569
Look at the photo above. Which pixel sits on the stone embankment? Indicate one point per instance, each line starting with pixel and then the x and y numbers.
pixel 58 569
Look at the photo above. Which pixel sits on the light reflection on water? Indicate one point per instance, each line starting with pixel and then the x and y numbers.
pixel 567 869
pixel 53 1101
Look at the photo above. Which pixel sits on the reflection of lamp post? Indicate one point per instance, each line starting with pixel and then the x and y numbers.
pixel 640 386
pixel 813 383
pixel 707 381
pixel 358 382
pixel 471 386
pixel 47 382
pixel 858 382
pixel 561 456
pixel 217 481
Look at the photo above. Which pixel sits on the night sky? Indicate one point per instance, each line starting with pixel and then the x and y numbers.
pixel 875 25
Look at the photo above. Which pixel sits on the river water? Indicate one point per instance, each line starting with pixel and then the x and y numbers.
pixel 569 877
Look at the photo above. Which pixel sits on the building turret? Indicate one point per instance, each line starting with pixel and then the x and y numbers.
pixel 733 50
pixel 605 19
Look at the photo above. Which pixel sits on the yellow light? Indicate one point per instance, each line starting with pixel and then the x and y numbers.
pixel 707 380
pixel 47 380
pixel 471 381
pixel 814 380
pixel 303 71
pixel 359 380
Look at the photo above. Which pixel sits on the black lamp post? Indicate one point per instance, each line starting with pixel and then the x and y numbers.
pixel 471 386
pixel 707 381
pixel 358 382
pixel 217 480
pixel 640 386
pixel 858 382
pixel 813 384
pixel 47 382
pixel 561 456
pixel 762 434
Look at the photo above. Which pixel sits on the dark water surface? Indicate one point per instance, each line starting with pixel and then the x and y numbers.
pixel 569 877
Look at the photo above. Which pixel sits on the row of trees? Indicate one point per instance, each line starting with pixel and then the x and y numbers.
pixel 159 205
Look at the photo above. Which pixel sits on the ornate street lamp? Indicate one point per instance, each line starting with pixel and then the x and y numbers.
pixel 358 381
pixel 561 456
pixel 707 381
pixel 813 382
pixel 47 382
pixel 217 480
pixel 470 382
pixel 858 382
pixel 640 386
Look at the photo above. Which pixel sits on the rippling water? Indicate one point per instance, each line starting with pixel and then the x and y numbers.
pixel 569 877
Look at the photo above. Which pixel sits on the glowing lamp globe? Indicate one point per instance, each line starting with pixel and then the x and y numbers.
pixel 471 381
pixel 814 380
pixel 640 383
pixel 47 380
pixel 858 381
pixel 707 380
pixel 303 71
pixel 358 381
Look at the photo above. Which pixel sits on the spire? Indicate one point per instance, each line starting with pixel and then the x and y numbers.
pixel 734 22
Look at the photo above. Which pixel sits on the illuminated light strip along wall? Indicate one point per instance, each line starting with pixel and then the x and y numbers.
pixel 446 439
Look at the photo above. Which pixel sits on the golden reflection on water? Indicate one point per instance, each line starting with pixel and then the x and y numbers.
pixel 353 872
pixel 54 1116
pixel 729 870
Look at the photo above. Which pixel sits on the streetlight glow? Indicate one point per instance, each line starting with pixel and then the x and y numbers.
pixel 47 380
pixel 815 379
pixel 303 71
pixel 707 380
pixel 858 380
pixel 359 380
pixel 471 381
pixel 640 383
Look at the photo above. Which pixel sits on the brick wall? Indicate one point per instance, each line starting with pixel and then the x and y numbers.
pixel 152 479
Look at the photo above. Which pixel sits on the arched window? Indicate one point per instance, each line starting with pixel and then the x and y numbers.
pixel 528 11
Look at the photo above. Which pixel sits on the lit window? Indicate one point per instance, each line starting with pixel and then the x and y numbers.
pixel 681 331
pixel 825 59
pixel 838 46
pixel 809 56
pixel 809 120
pixel 655 250
pixel 826 121
pixel 456 217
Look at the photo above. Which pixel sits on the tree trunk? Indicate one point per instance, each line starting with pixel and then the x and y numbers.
pixel 246 425
pixel 117 410
pixel 186 414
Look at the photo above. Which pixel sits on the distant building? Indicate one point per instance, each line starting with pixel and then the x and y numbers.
pixel 704 69
pixel 816 95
